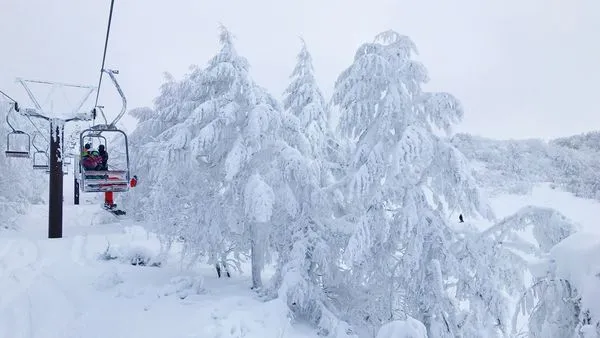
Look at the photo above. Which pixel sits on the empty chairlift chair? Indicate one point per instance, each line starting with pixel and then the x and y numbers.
pixel 18 143
pixel 41 160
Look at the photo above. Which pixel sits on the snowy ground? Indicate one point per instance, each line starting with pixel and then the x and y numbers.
pixel 582 211
pixel 60 288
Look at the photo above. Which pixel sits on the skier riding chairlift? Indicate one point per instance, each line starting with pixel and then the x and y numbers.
pixel 90 158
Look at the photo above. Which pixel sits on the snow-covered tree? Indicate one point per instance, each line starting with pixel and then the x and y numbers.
pixel 32 187
pixel 402 181
pixel 516 166
pixel 552 303
pixel 307 243
pixel 497 260
pixel 304 99
pixel 148 159
pixel 214 125
pixel 233 174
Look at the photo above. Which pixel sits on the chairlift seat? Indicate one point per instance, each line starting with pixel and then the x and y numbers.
pixel 19 154
pixel 105 180
pixel 12 151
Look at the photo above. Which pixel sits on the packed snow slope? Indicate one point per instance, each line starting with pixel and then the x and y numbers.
pixel 84 285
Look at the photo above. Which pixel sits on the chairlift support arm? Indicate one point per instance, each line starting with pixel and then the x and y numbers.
pixel 39 111
pixel 111 73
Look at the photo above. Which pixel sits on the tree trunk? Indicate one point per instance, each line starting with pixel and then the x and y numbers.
pixel 257 256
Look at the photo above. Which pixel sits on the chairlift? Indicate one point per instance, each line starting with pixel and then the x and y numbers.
pixel 113 179
pixel 18 143
pixel 41 161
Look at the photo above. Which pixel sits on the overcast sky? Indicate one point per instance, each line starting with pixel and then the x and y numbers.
pixel 521 68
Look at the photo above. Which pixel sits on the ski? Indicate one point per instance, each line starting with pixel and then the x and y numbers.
pixel 112 209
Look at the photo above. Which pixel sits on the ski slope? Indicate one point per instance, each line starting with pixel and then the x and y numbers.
pixel 61 287
pixel 64 288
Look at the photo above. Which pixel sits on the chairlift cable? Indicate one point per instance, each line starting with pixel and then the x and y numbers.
pixel 8 97
pixel 38 129
pixel 112 2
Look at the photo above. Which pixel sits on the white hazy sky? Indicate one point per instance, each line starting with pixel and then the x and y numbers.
pixel 521 68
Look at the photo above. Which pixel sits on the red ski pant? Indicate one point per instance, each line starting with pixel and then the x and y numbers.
pixel 108 198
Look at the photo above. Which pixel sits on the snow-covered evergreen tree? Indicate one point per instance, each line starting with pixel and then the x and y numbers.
pixel 233 174
pixel 149 161
pixel 497 260
pixel 304 100
pixel 402 181
pixel 552 303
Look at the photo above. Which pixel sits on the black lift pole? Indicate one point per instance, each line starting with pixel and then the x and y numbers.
pixel 55 184
pixel 55 204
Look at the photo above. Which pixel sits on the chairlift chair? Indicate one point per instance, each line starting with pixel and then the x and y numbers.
pixel 41 160
pixel 115 180
pixel 16 139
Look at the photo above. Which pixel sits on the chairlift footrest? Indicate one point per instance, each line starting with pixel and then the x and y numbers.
pixel 19 154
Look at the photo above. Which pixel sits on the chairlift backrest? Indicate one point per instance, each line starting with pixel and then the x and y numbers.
pixel 18 143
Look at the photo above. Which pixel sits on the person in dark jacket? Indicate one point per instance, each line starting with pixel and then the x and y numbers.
pixel 103 165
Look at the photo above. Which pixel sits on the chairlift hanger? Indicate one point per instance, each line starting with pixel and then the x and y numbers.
pixel 41 160
pixel 111 126
pixel 15 134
